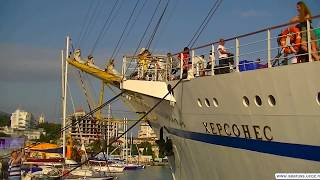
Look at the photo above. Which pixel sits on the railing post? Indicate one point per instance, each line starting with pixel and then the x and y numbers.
pixel 181 65
pixel 269 48
pixel 156 71
pixel 170 68
pixel 139 68
pixel 124 63
pixel 237 54
pixel 309 41
pixel 192 62
pixel 213 59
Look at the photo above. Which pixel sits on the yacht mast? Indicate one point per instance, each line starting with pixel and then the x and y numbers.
pixel 65 80
pixel 108 130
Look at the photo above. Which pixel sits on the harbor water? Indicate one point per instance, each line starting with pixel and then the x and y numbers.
pixel 149 173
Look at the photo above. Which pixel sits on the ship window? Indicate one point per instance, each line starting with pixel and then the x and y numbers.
pixel 245 101
pixel 318 98
pixel 271 100
pixel 207 102
pixel 215 102
pixel 258 101
pixel 199 103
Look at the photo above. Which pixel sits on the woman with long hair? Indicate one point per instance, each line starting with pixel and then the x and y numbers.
pixel 304 14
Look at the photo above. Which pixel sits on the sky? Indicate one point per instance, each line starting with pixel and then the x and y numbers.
pixel 33 32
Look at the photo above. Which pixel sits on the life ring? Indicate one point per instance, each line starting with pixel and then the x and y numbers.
pixel 295 39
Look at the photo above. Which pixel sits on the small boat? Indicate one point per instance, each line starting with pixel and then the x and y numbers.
pixel 102 166
pixel 133 166
pixel 90 178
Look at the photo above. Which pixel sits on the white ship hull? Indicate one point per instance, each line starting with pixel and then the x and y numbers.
pixel 232 141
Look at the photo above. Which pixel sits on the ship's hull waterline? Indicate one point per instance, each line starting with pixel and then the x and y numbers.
pixel 246 125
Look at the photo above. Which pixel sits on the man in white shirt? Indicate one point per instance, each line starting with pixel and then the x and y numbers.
pixel 224 54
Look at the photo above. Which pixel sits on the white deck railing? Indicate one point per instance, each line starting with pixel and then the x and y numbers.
pixel 261 52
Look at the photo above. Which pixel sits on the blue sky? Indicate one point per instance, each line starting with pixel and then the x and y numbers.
pixel 32 34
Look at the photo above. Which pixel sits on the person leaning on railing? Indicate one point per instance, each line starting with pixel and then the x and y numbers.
pixel 225 57
pixel 185 57
pixel 143 57
pixel 304 14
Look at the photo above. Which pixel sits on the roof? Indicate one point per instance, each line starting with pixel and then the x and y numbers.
pixel 44 146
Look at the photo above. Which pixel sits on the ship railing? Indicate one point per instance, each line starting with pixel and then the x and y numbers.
pixel 252 51
pixel 152 68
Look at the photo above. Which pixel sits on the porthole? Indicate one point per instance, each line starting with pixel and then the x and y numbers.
pixel 245 101
pixel 271 100
pixel 258 101
pixel 199 103
pixel 207 102
pixel 215 102
pixel 318 98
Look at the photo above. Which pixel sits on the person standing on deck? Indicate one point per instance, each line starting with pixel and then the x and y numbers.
pixel 144 57
pixel 304 14
pixel 15 165
pixel 225 57
pixel 185 57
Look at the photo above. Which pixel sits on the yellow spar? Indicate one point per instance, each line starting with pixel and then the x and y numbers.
pixel 105 76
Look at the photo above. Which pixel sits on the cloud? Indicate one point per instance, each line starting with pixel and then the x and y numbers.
pixel 255 13
pixel 21 63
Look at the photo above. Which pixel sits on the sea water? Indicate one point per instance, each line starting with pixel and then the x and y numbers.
pixel 149 173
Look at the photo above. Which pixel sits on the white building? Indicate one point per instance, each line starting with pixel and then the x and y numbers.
pixel 146 132
pixel 41 119
pixel 21 120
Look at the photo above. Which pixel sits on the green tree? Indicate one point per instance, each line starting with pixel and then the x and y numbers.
pixel 4 120
pixel 75 155
pixel 52 132
pixel 134 149
pixel 149 150
pixel 95 146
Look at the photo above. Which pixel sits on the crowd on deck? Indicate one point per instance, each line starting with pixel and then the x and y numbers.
pixel 292 41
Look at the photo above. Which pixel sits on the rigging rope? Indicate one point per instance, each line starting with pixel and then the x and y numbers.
pixel 76 117
pixel 131 27
pixel 204 23
pixel 126 26
pixel 164 26
pixel 88 115
pixel 147 28
pixel 93 14
pixel 115 140
pixel 157 26
pixel 143 35
pixel 105 26
pixel 84 24
pixel 84 90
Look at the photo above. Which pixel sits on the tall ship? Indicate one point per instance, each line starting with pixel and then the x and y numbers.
pixel 248 116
